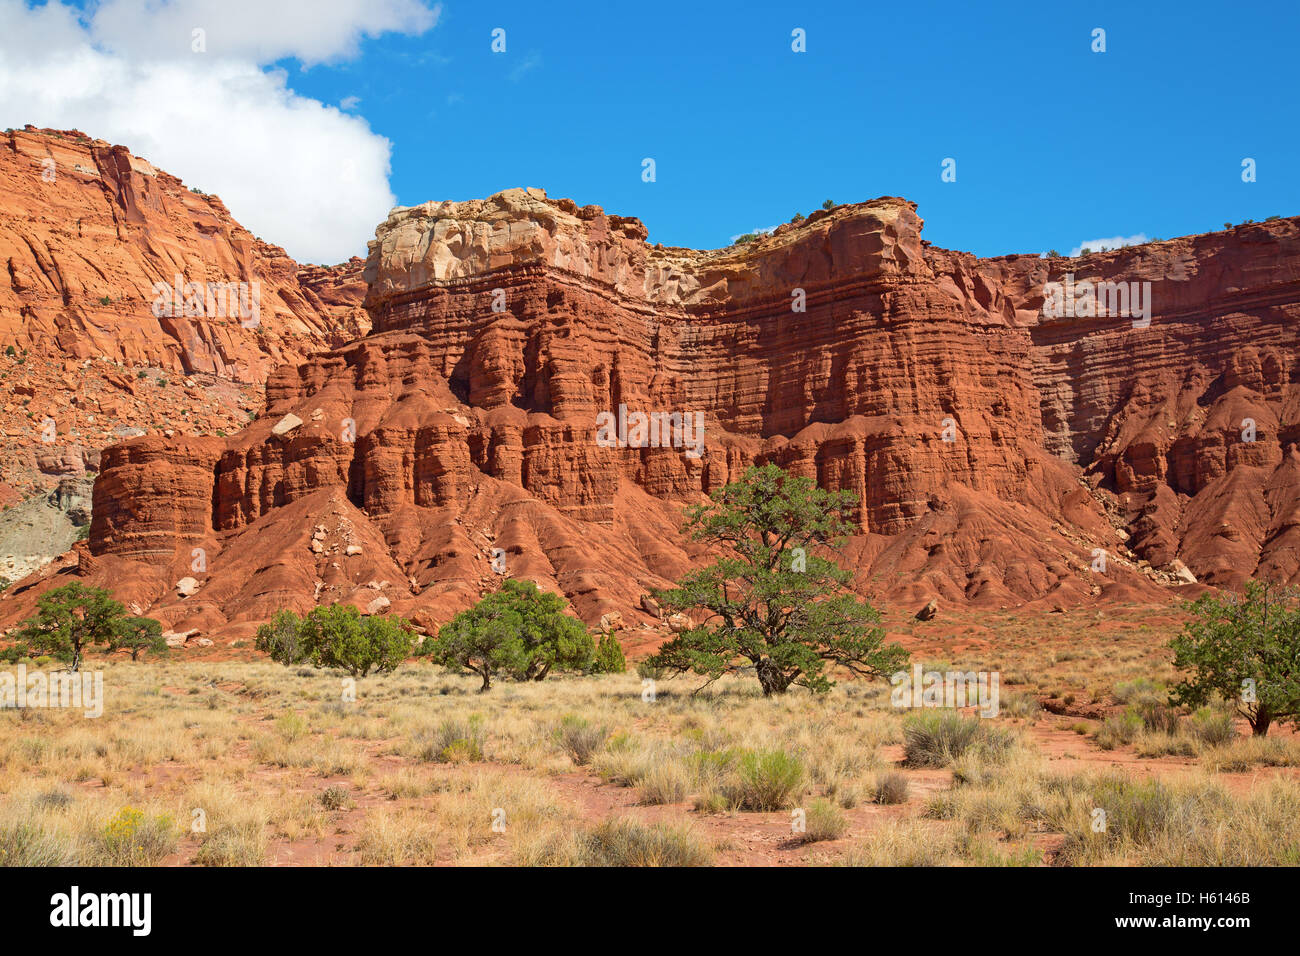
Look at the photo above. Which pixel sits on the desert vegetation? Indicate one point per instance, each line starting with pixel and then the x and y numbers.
pixel 357 744
pixel 245 763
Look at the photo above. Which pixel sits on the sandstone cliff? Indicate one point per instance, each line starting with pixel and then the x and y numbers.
pixel 86 229
pixel 996 452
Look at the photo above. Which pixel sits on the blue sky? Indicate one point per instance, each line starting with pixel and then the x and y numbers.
pixel 1054 144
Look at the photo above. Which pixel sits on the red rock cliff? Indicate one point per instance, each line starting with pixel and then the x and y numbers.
pixel 86 229
pixel 993 449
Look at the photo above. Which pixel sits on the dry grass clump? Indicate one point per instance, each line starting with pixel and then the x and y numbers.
pixel 918 843
pixel 455 740
pixel 936 738
pixel 420 768
pixel 1181 823
pixel 398 839
pixel 890 788
pixel 580 738
pixel 619 842
pixel 1243 754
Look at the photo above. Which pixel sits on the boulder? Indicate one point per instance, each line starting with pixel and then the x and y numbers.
pixel 286 424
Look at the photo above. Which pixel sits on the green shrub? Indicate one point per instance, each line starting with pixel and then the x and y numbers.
pixel 291 726
pixel 282 639
pixel 14 654
pixel 455 741
pixel 823 820
pixel 337 637
pixel 764 780
pixel 520 631
pixel 609 657
pixel 130 838
pixel 1213 727
pixel 649 670
pixel 26 844
pixel 1118 730
pixel 1140 691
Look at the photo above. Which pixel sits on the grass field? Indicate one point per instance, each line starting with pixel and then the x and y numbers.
pixel 226 762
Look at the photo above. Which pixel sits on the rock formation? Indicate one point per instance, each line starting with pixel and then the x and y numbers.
pixel 86 230
pixel 1001 456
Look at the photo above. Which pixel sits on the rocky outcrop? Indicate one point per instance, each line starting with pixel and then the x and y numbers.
pixel 1000 456
pixel 86 231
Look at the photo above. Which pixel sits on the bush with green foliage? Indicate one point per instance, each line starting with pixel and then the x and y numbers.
pixel 337 637
pixel 1119 730
pixel 1244 650
pixel 1213 727
pixel 763 781
pixel 281 638
pixel 12 655
pixel 520 632
pixel 776 606
pixel 609 657
pixel 139 635
pixel 823 820
pixel 455 740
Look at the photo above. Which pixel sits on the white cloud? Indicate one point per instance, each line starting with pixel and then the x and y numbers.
pixel 293 170
pixel 349 103
pixel 311 31
pixel 1114 242
pixel 530 62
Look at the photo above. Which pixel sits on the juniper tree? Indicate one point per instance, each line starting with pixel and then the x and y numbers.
pixel 519 631
pixel 772 602
pixel 337 636
pixel 1245 650
pixel 70 619
pixel 138 635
